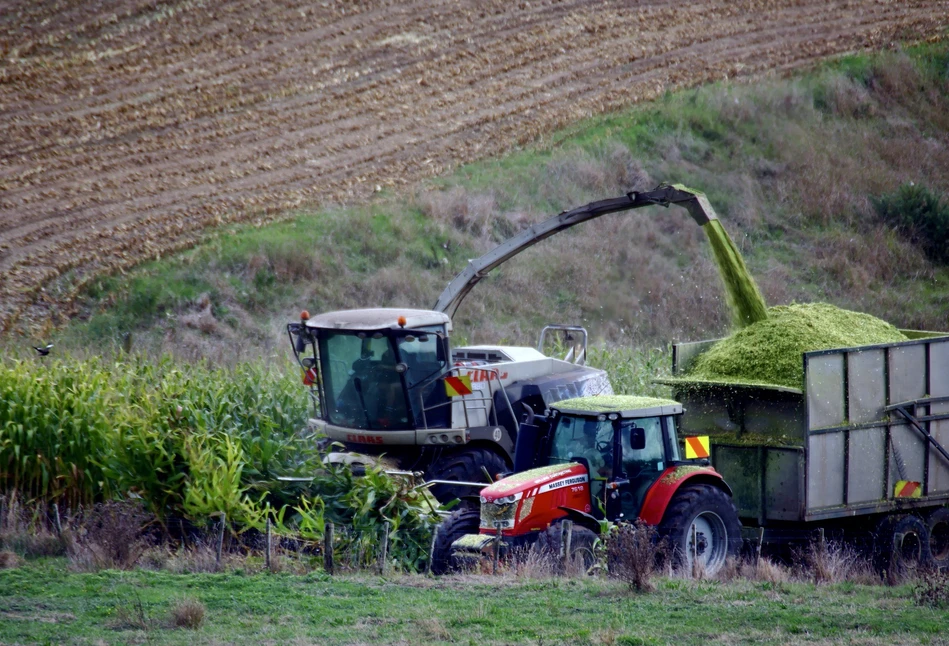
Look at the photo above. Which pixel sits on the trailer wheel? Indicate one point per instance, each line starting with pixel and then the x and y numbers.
pixel 701 522
pixel 938 523
pixel 464 466
pixel 462 521
pixel 903 544
pixel 582 545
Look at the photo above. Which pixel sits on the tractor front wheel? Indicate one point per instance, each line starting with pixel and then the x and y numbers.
pixel 582 543
pixel 462 521
pixel 702 529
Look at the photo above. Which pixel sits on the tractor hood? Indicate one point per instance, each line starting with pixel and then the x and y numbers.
pixel 535 481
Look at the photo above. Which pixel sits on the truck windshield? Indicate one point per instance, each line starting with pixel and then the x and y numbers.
pixel 363 388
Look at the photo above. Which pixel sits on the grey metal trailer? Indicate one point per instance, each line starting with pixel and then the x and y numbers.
pixel 862 448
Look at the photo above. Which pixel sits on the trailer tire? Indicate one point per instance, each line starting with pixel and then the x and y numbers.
pixel 582 546
pixel 938 525
pixel 462 521
pixel 903 544
pixel 713 514
pixel 465 466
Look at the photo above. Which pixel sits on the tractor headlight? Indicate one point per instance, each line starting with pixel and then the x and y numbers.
pixel 506 500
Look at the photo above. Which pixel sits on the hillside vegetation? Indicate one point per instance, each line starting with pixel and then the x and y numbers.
pixel 810 175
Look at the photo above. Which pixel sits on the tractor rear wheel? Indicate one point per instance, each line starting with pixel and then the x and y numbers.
pixel 461 521
pixel 464 465
pixel 582 542
pixel 702 529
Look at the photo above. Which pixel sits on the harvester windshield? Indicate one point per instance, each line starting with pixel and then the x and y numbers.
pixel 375 380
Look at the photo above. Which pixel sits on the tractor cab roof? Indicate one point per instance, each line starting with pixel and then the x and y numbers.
pixel 380 318
pixel 626 406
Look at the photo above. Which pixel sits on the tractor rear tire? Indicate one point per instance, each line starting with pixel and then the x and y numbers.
pixel 708 513
pixel 582 544
pixel 464 465
pixel 938 523
pixel 461 521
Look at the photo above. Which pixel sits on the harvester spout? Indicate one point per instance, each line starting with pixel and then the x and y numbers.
pixel 692 201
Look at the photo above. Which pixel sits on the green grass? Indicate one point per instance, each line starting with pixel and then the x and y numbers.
pixel 43 603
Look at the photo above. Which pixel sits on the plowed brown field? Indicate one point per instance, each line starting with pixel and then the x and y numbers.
pixel 129 127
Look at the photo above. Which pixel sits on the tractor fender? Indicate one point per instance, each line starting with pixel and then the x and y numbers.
pixel 581 518
pixel 665 487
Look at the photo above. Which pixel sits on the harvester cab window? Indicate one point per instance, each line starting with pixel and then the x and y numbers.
pixel 363 387
pixel 419 356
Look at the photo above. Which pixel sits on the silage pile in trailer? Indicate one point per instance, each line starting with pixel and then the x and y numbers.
pixel 769 351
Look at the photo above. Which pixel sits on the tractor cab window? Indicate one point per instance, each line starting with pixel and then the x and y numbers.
pixel 363 386
pixel 652 456
pixel 642 466
pixel 589 439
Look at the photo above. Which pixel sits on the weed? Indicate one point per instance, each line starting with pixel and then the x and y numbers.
pixel 110 537
pixel 631 555
pixel 187 613
pixel 8 560
pixel 932 589
pixel 824 561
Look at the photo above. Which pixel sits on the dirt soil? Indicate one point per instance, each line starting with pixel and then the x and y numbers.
pixel 130 128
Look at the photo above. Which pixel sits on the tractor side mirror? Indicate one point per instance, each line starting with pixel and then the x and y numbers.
pixel 441 349
pixel 637 438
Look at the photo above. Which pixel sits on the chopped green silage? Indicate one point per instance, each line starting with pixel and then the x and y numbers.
pixel 741 292
pixel 612 403
pixel 769 351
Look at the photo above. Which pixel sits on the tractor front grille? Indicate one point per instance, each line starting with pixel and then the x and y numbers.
pixel 494 516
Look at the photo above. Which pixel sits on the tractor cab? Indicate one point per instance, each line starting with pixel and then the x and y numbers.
pixel 625 443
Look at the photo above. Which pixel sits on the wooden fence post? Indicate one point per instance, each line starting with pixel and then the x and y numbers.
pixel 384 554
pixel 328 549
pixel 220 538
pixel 269 567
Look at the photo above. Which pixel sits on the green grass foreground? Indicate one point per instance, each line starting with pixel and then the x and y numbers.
pixel 42 602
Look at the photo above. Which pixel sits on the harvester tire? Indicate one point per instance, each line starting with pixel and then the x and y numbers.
pixel 712 514
pixel 464 466
pixel 938 523
pixel 461 521
pixel 903 545
pixel 582 544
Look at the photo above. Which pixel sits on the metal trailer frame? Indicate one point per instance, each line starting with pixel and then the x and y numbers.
pixel 868 418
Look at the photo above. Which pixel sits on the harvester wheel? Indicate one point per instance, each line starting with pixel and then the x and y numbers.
pixel 582 544
pixel 903 544
pixel 461 521
pixel 938 522
pixel 702 529
pixel 464 466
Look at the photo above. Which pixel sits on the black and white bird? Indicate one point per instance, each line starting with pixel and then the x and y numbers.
pixel 43 351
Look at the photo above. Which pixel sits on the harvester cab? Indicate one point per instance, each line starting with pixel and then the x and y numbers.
pixel 612 459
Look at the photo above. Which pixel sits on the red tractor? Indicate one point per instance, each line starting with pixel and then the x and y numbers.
pixel 595 459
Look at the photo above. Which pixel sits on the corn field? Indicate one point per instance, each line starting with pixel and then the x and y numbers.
pixel 191 441
pixel 186 439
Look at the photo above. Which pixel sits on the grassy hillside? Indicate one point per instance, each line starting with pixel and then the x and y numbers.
pixel 805 173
